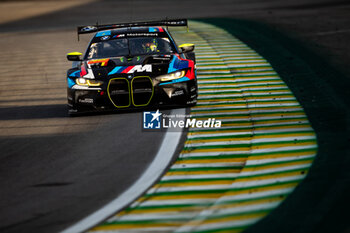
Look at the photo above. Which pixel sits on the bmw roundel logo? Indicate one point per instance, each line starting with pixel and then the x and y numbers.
pixel 88 28
pixel 105 37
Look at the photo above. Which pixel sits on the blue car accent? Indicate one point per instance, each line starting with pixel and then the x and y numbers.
pixel 103 33
pixel 183 79
pixel 70 82
pixel 177 64
pixel 75 74
pixel 153 29
pixel 118 69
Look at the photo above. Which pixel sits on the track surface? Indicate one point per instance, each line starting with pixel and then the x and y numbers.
pixel 55 170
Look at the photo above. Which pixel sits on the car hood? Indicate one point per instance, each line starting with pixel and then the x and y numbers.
pixel 149 65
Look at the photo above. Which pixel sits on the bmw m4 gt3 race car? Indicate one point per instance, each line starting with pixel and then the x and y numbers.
pixel 129 66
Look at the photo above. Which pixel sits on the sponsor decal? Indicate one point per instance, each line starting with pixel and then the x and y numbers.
pixel 86 101
pixel 177 93
pixel 140 68
pixel 118 36
pixel 142 34
pixel 162 58
pixel 131 69
pixel 191 102
pixel 157 120
pixel 180 22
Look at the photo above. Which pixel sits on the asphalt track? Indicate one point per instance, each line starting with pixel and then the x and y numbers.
pixel 50 170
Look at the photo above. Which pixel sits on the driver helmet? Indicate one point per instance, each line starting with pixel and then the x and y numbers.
pixel 150 46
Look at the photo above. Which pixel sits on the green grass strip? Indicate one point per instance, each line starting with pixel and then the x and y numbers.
pixel 282 152
pixel 302 171
pixel 177 220
pixel 219 191
pixel 260 102
pixel 234 76
pixel 189 148
pixel 255 114
pixel 239 82
pixel 240 85
pixel 250 136
pixel 250 127
pixel 163 207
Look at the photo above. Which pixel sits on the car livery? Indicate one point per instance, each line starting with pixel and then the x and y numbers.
pixel 130 66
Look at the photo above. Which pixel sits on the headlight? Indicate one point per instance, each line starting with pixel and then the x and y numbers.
pixel 88 82
pixel 171 76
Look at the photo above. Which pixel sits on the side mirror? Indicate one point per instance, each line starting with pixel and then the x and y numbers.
pixel 186 48
pixel 74 56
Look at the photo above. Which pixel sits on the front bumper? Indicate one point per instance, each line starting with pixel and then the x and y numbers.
pixel 140 92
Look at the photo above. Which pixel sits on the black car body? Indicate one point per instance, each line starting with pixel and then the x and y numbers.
pixel 130 67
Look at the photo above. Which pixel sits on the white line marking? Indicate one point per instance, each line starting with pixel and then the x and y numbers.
pixel 254 195
pixel 177 201
pixel 221 212
pixel 215 226
pixel 153 172
pixel 173 216
pixel 223 200
pixel 281 159
pixel 278 169
pixel 207 165
pixel 200 176
pixel 234 185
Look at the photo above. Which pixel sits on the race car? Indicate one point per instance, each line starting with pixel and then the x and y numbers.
pixel 131 66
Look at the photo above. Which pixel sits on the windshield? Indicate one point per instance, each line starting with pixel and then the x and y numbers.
pixel 132 46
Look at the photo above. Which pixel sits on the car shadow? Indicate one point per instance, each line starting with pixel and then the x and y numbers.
pixel 61 111
pixel 33 112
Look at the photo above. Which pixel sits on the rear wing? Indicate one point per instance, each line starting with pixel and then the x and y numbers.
pixel 96 28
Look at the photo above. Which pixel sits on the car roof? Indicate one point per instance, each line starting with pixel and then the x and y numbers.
pixel 133 31
pixel 139 29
